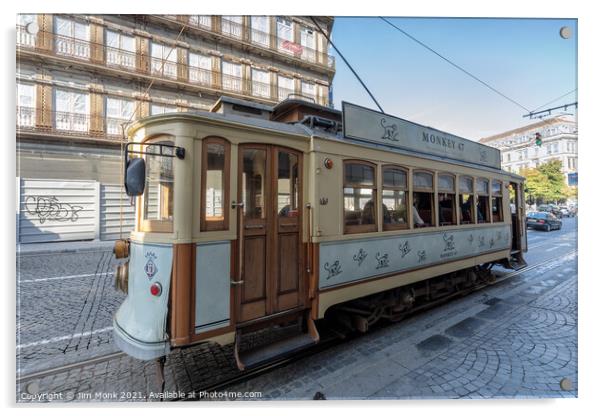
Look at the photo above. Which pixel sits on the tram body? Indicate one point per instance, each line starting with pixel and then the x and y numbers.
pixel 245 221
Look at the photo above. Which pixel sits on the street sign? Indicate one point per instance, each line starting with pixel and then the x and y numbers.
pixel 572 177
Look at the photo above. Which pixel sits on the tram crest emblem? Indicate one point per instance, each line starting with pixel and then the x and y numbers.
pixel 421 256
pixel 390 131
pixel 150 268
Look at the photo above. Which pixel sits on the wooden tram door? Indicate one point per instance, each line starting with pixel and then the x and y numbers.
pixel 269 231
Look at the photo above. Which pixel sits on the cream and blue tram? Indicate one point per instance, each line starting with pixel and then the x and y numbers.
pixel 246 218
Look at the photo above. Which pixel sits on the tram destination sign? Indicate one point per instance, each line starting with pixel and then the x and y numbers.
pixel 364 124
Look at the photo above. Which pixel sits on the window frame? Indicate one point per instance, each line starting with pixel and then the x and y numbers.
pixel 281 88
pixel 431 190
pixel 473 206
pixel 258 87
pixel 501 197
pixel 73 117
pixel 383 187
pixel 454 202
pixel 224 224
pixel 123 55
pixel 480 194
pixel 71 38
pixel 362 228
pixel 168 61
pixel 197 73
pixel 156 226
pixel 234 81
pixel 109 120
pixel 26 114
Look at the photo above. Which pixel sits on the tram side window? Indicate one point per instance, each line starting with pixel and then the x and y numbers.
pixel 422 209
pixel 447 199
pixel 395 198
pixel 157 204
pixel 214 184
pixel 466 200
pixel 496 201
pixel 483 200
pixel 359 194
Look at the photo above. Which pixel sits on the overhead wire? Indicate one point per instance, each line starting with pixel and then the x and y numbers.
pixel 449 61
pixel 347 63
pixel 554 100
pixel 487 85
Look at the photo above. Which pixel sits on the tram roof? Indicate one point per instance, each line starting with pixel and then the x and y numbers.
pixel 300 129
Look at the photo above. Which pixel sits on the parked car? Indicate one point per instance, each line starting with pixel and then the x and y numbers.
pixel 550 208
pixel 566 212
pixel 543 221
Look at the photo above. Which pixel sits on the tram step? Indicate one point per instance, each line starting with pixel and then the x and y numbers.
pixel 275 350
pixel 271 352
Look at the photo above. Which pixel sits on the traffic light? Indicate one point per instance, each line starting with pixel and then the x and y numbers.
pixel 538 139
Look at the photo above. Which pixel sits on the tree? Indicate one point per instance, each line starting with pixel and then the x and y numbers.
pixel 536 185
pixel 558 190
pixel 546 182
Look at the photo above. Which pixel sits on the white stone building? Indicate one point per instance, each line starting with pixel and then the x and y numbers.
pixel 519 151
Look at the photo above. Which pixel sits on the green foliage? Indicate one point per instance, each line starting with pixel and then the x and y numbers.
pixel 546 183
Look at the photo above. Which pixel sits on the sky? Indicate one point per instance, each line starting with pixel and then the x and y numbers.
pixel 525 59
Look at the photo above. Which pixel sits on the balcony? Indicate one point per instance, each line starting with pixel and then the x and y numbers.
pixel 67 124
pixel 72 47
pixel 120 58
pixel 257 38
pixel 143 66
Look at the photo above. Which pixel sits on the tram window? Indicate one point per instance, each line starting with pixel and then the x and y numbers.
pixel 157 206
pixel 395 195
pixel 253 183
pixel 359 194
pixel 447 199
pixel 422 208
pixel 288 184
pixel 466 200
pixel 496 201
pixel 483 200
pixel 214 184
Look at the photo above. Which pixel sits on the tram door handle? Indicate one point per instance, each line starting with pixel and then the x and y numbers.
pixel 237 205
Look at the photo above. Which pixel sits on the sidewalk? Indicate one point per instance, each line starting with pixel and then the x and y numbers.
pixel 64 247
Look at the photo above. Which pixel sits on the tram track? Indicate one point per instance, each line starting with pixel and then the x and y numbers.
pixel 67 367
pixel 329 341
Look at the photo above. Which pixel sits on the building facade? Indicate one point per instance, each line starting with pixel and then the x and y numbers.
pixel 519 151
pixel 81 77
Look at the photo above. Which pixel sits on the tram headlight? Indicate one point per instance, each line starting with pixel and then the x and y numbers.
pixel 121 277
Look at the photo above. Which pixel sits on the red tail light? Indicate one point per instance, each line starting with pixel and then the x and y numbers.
pixel 541 222
pixel 156 289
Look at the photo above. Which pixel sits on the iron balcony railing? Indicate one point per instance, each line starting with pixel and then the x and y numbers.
pixel 256 37
pixel 166 69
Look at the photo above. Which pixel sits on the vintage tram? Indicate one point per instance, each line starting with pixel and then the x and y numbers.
pixel 248 217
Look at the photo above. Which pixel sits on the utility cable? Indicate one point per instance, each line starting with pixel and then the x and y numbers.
pixel 347 63
pixel 455 65
pixel 554 100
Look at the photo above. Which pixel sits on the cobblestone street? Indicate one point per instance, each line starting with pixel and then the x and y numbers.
pixel 517 338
